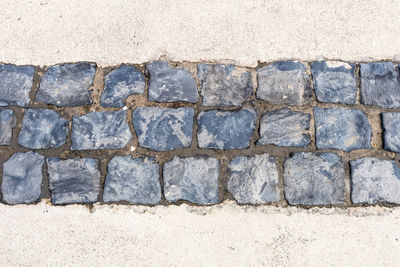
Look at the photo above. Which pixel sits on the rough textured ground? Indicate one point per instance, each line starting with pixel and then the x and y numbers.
pixel 45 33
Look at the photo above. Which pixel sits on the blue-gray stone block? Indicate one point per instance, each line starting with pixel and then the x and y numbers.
pixel 15 85
pixel 22 178
pixel 284 83
pixel 391 130
pixel 226 129
pixel 192 179
pixel 254 180
pixel 375 181
pixel 7 123
pixel 342 129
pixel 121 83
pixel 170 84
pixel 380 84
pixel 311 179
pixel 100 130
pixel 335 82
pixel 67 85
pixel 163 129
pixel 224 85
pixel 284 127
pixel 43 129
pixel 73 180
pixel 133 180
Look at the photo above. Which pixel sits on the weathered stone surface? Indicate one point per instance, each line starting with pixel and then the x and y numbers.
pixel 391 129
pixel 225 129
pixel 15 84
pixel 132 180
pixel 67 85
pixel 42 129
pixel 22 178
pixel 311 179
pixel 163 129
pixel 284 127
pixel 191 179
pixel 7 123
pixel 170 84
pixel 100 130
pixel 380 84
pixel 73 180
pixel 335 82
pixel 342 129
pixel 119 84
pixel 375 181
pixel 254 180
pixel 284 82
pixel 224 85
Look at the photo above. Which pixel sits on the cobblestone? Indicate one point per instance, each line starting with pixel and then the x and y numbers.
pixel 15 85
pixel 224 85
pixel 119 84
pixel 7 124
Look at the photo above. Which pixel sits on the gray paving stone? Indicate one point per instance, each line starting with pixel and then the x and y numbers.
pixel 67 85
pixel 284 127
pixel 311 179
pixel 22 178
pixel 132 180
pixel 191 179
pixel 15 85
pixel 335 82
pixel 226 129
pixel 380 84
pixel 342 129
pixel 7 123
pixel 391 129
pixel 100 130
pixel 73 180
pixel 285 82
pixel 224 85
pixel 42 129
pixel 121 83
pixel 170 84
pixel 163 129
pixel 375 181
pixel 254 180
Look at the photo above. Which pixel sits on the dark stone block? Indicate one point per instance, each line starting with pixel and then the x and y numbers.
pixel 284 127
pixel 67 85
pixel 121 83
pixel 391 128
pixel 285 82
pixel 375 181
pixel 335 82
pixel 224 85
pixel 380 84
pixel 342 129
pixel 42 129
pixel 22 178
pixel 7 123
pixel 191 179
pixel 170 84
pixel 100 130
pixel 254 180
pixel 311 179
pixel 132 180
pixel 226 129
pixel 73 180
pixel 163 129
pixel 15 85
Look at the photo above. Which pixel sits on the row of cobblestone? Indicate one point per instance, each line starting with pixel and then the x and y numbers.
pixel 215 113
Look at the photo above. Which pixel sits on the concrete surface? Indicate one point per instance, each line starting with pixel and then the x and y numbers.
pixel 222 235
pixel 243 32
pixel 110 32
